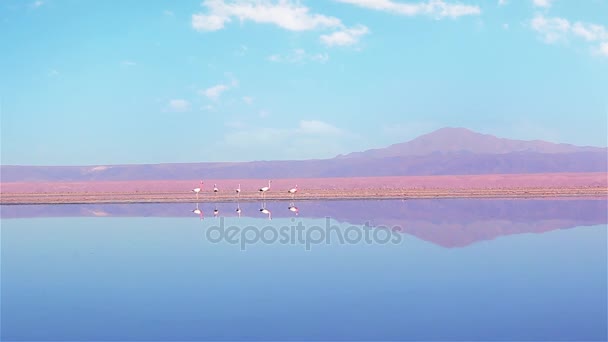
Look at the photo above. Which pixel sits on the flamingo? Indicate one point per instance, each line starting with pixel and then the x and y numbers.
pixel 238 190
pixel 215 189
pixel 264 189
pixel 267 212
pixel 294 209
pixel 293 191
pixel 197 190
pixel 198 212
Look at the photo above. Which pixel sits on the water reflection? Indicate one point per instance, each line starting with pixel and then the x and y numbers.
pixel 292 207
pixel 446 222
pixel 265 210
pixel 198 211
pixel 71 279
pixel 238 207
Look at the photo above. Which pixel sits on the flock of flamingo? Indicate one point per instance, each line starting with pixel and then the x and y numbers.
pixel 262 191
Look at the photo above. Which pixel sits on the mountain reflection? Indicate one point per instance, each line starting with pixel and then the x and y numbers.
pixel 445 222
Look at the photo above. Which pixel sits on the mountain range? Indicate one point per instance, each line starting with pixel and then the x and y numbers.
pixel 447 151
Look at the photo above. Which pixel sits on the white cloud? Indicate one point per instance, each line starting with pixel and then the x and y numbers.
pixel 201 22
pixel 345 37
pixel 551 29
pixel 264 113
pixel 317 127
pixel 554 30
pixel 286 14
pixel 309 139
pixel 603 50
pixel 505 26
pixel 248 100
pixel 299 56
pixel 233 81
pixel 214 92
pixel 168 13
pixel 434 8
pixel 542 3
pixel 36 4
pixel 52 73
pixel 590 32
pixel 128 63
pixel 179 105
pixel 502 2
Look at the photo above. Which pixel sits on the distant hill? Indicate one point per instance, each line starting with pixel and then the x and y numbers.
pixel 448 151
pixel 454 140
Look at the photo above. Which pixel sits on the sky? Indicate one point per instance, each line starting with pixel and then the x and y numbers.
pixel 124 82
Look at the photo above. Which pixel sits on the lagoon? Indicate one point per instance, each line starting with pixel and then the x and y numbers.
pixel 460 270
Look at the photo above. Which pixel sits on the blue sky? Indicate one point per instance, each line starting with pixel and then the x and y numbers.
pixel 113 82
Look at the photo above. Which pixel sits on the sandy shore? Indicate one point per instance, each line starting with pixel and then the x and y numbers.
pixel 556 185
pixel 173 197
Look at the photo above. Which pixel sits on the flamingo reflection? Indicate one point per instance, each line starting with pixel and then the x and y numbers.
pixel 198 211
pixel 266 211
pixel 292 207
pixel 238 209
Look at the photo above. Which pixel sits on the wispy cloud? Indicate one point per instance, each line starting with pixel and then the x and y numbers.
pixel 286 14
pixel 603 50
pixel 345 37
pixel 168 13
pixel 215 91
pixel 248 100
pixel 542 3
pixel 179 105
pixel 242 50
pixel 555 29
pixel 317 127
pixel 127 63
pixel 289 15
pixel 435 8
pixel 52 73
pixel 299 56
pixel 234 82
pixel 308 139
pixel 502 2
pixel 37 4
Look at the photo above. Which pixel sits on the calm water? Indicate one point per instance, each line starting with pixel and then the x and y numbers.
pixel 452 270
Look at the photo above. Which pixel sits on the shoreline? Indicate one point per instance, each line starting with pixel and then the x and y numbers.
pixel 313 194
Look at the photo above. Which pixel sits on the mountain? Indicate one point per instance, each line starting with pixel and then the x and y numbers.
pixel 454 140
pixel 448 151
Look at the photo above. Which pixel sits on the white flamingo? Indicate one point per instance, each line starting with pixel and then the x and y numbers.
pixel 197 190
pixel 198 212
pixel 264 189
pixel 238 190
pixel 215 189
pixel 294 209
pixel 293 191
pixel 267 212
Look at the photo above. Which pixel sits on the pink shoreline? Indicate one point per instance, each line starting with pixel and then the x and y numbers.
pixel 492 181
